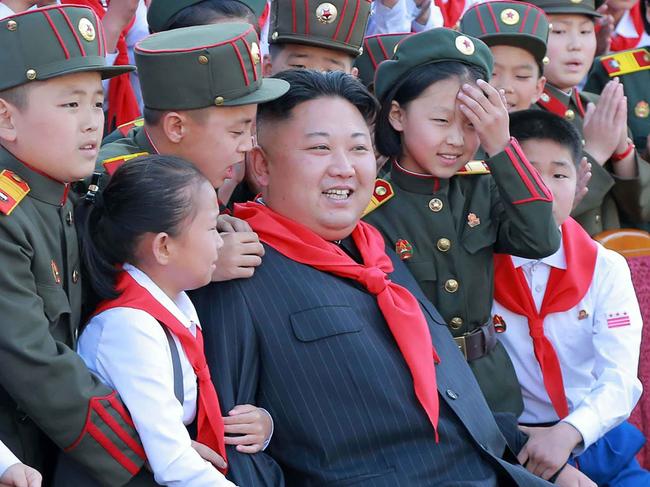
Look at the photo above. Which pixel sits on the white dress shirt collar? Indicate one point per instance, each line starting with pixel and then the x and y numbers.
pixel 558 259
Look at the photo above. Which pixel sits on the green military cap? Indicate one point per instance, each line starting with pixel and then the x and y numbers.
pixel 197 67
pixel 162 12
pixel 47 42
pixel 429 47
pixel 334 24
pixel 376 48
pixel 512 23
pixel 582 7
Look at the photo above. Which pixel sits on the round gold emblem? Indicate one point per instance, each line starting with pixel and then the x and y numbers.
pixel 444 244
pixel 435 205
pixel 465 45
pixel 326 13
pixel 380 191
pixel 642 109
pixel 510 16
pixel 86 29
pixel 12 25
pixel 569 115
pixel 255 53
pixel 451 285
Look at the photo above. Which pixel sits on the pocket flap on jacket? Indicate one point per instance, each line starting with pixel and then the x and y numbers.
pixel 325 321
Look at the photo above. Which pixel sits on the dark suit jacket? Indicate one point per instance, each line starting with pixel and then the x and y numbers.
pixel 316 352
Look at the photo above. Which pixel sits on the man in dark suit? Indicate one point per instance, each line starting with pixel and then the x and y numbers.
pixel 332 334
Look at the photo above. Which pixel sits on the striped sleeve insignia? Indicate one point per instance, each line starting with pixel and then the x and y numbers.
pixel 626 62
pixel 474 167
pixel 382 193
pixel 12 190
pixel 111 165
pixel 125 128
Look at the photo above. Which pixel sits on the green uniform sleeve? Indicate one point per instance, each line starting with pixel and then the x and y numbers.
pixel 633 195
pixel 48 381
pixel 524 206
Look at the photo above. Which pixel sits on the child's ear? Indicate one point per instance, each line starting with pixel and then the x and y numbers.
pixel 174 126
pixel 539 89
pixel 161 247
pixel 7 127
pixel 396 116
pixel 259 165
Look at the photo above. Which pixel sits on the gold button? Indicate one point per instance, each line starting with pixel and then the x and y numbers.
pixel 597 218
pixel 569 114
pixel 75 276
pixel 274 36
pixel 451 285
pixel 68 218
pixel 380 191
pixel 218 100
pixel 12 25
pixel 435 205
pixel 545 60
pixel 361 51
pixel 444 244
pixel 203 60
pixel 456 323
pixel 31 74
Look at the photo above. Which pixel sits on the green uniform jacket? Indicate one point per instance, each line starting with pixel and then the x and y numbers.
pixel 47 395
pixel 610 197
pixel 454 227
pixel 112 155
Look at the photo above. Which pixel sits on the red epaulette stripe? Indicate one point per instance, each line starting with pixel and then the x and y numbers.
pixel 306 17
pixel 553 105
pixel 522 173
pixel 341 17
pixel 110 447
pixel 523 22
pixel 370 54
pixel 118 430
pixel 354 21
pixel 642 58
pixel 56 33
pixel 74 32
pixel 241 63
pixel 494 17
pixel 531 169
pixel 480 20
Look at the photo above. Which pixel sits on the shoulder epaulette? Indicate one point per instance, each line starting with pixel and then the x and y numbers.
pixel 626 62
pixel 12 190
pixel 382 193
pixel 111 165
pixel 474 167
pixel 125 128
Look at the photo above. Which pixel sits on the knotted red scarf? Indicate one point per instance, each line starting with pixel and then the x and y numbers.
pixel 399 307
pixel 210 423
pixel 122 103
pixel 620 43
pixel 564 290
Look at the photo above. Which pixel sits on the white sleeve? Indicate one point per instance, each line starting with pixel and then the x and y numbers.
pixel 133 353
pixel 385 20
pixel 435 17
pixel 7 458
pixel 617 388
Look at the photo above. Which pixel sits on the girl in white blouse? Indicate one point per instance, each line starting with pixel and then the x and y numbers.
pixel 150 236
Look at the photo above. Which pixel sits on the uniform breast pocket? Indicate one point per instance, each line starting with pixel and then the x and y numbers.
pixel 324 322
pixel 480 237
pixel 55 302
pixel 426 276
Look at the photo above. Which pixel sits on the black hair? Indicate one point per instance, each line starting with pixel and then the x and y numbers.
pixel 644 8
pixel 307 85
pixel 149 194
pixel 17 96
pixel 211 11
pixel 388 141
pixel 541 125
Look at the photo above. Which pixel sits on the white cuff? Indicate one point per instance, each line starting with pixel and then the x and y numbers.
pixel 268 440
pixel 587 423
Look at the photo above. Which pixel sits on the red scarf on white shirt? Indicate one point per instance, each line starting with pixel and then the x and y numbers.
pixel 210 422
pixel 564 290
pixel 620 43
pixel 398 306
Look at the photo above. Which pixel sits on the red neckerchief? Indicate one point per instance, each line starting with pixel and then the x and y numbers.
pixel 564 290
pixel 122 103
pixel 399 307
pixel 620 43
pixel 210 422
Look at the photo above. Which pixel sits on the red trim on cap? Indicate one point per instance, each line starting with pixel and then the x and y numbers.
pixel 539 16
pixel 480 19
pixel 523 22
pixel 250 56
pixel 307 17
pixel 41 9
pixel 241 63
pixel 293 16
pixel 100 45
pixel 58 36
pixel 354 21
pixel 196 48
pixel 67 19
pixel 341 17
pixel 494 17
pixel 370 55
pixel 383 49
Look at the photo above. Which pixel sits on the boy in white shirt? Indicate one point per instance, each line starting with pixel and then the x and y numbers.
pixel 572 327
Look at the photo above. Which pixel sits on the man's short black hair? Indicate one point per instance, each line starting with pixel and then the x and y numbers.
pixel 212 11
pixel 307 85
pixel 541 125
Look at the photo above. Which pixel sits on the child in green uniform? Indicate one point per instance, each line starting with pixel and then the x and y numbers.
pixel 51 118
pixel 444 217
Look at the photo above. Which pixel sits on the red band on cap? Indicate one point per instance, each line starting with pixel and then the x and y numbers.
pixel 539 16
pixel 100 40
pixel 241 63
pixel 293 16
pixel 139 48
pixel 523 22
pixel 354 21
pixel 341 17
pixel 494 17
pixel 67 19
pixel 480 20
pixel 58 36
pixel 306 16
pixel 383 49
